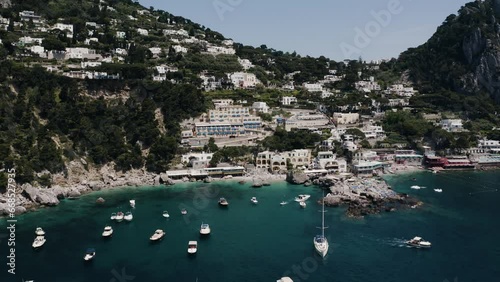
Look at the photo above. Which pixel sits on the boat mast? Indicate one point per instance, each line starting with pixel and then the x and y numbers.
pixel 323 217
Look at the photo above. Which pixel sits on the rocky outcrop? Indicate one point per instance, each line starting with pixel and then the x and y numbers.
pixel 297 177
pixel 40 196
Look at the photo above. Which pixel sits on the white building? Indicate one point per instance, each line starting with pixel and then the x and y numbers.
pixel 64 27
pixel 367 85
pixel 489 144
pixel 218 50
pixel 121 34
pixel 327 160
pixel 210 82
pixel 27 16
pixel 245 63
pixel 121 51
pixel 277 162
pixel 197 160
pixel 313 87
pixel 90 64
pixel 143 32
pixel 179 49
pixel 38 50
pixel 220 103
pixel 452 125
pixel 30 40
pixel 227 42
pixel 243 80
pixel 344 118
pixel 260 107
pixel 401 90
pixel 398 102
pixel 306 121
pixel 287 101
pixel 155 51
pixel 180 32
pixel 373 131
pixel 91 39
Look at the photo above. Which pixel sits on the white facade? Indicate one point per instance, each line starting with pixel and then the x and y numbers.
pixel 180 32
pixel 313 87
pixel 327 160
pixel 37 50
pixel 452 125
pixel 180 49
pixel 30 40
pixel 143 32
pixel 343 118
pixel 368 85
pixel 278 161
pixel 398 102
pixel 287 101
pixel 260 107
pixel 489 144
pixel 219 103
pixel 121 34
pixel 65 27
pixel 243 80
pixel 155 51
pixel 90 64
pixel 197 160
pixel 245 63
pixel 373 131
pixel 29 15
pixel 218 50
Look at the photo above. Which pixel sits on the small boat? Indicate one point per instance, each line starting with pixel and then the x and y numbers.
pixel 223 202
pixel 39 231
pixel 128 216
pixel 208 179
pixel 119 216
pixel 192 247
pixel 108 231
pixel 132 203
pixel 184 211
pixel 285 279
pixel 39 241
pixel 438 190
pixel 89 255
pixel 416 187
pixel 419 243
pixel 204 229
pixel 165 214
pixel 302 198
pixel 302 204
pixel 283 203
pixel 434 171
pixel 158 235
pixel 254 200
pixel 113 216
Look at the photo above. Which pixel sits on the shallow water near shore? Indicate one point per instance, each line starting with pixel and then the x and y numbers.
pixel 263 242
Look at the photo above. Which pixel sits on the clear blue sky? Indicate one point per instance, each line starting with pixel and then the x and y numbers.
pixel 319 27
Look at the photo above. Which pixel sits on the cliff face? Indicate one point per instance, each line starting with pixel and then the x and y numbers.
pixel 464 53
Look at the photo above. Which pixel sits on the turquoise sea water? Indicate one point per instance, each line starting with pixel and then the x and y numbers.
pixel 266 241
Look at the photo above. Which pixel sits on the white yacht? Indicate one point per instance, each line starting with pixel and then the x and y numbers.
pixel 283 203
pixel 39 241
pixel 204 229
pixel 320 241
pixel 113 216
pixel 192 247
pixel 285 279
pixel 39 231
pixel 302 204
pixel 119 216
pixel 89 255
pixel 158 235
pixel 128 216
pixel 184 211
pixel 419 243
pixel 132 203
pixel 416 187
pixel 223 202
pixel 438 190
pixel 108 231
pixel 165 214
pixel 254 200
pixel 302 198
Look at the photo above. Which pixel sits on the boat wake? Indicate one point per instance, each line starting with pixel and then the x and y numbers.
pixel 395 242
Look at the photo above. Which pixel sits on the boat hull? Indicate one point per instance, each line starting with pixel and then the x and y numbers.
pixel 321 248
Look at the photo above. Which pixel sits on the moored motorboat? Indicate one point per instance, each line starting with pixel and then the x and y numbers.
pixel 416 187
pixel 283 203
pixel 119 216
pixel 113 216
pixel 223 202
pixel 184 211
pixel 38 242
pixel 302 204
pixel 254 200
pixel 158 235
pixel 39 231
pixel 128 216
pixel 302 198
pixel 418 242
pixel 132 203
pixel 204 229
pixel 89 255
pixel 285 279
pixel 108 231
pixel 192 247
pixel 165 214
pixel 438 190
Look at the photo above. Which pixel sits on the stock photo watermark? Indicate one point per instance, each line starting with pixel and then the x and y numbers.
pixel 121 276
pixel 202 198
pixel 364 36
pixel 12 221
pixel 225 6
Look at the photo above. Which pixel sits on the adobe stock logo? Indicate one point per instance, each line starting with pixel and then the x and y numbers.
pixel 223 6
pixel 363 37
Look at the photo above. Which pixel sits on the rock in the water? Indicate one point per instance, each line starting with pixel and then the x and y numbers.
pixel 74 193
pixel 100 200
pixel 41 196
pixel 157 180
pixel 95 185
pixel 297 177
pixel 308 183
pixel 20 210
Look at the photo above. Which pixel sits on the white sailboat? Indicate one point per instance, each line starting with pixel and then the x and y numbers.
pixel 132 203
pixel 320 241
pixel 128 216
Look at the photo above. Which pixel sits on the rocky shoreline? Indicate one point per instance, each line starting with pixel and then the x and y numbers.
pixel 78 181
pixel 361 196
